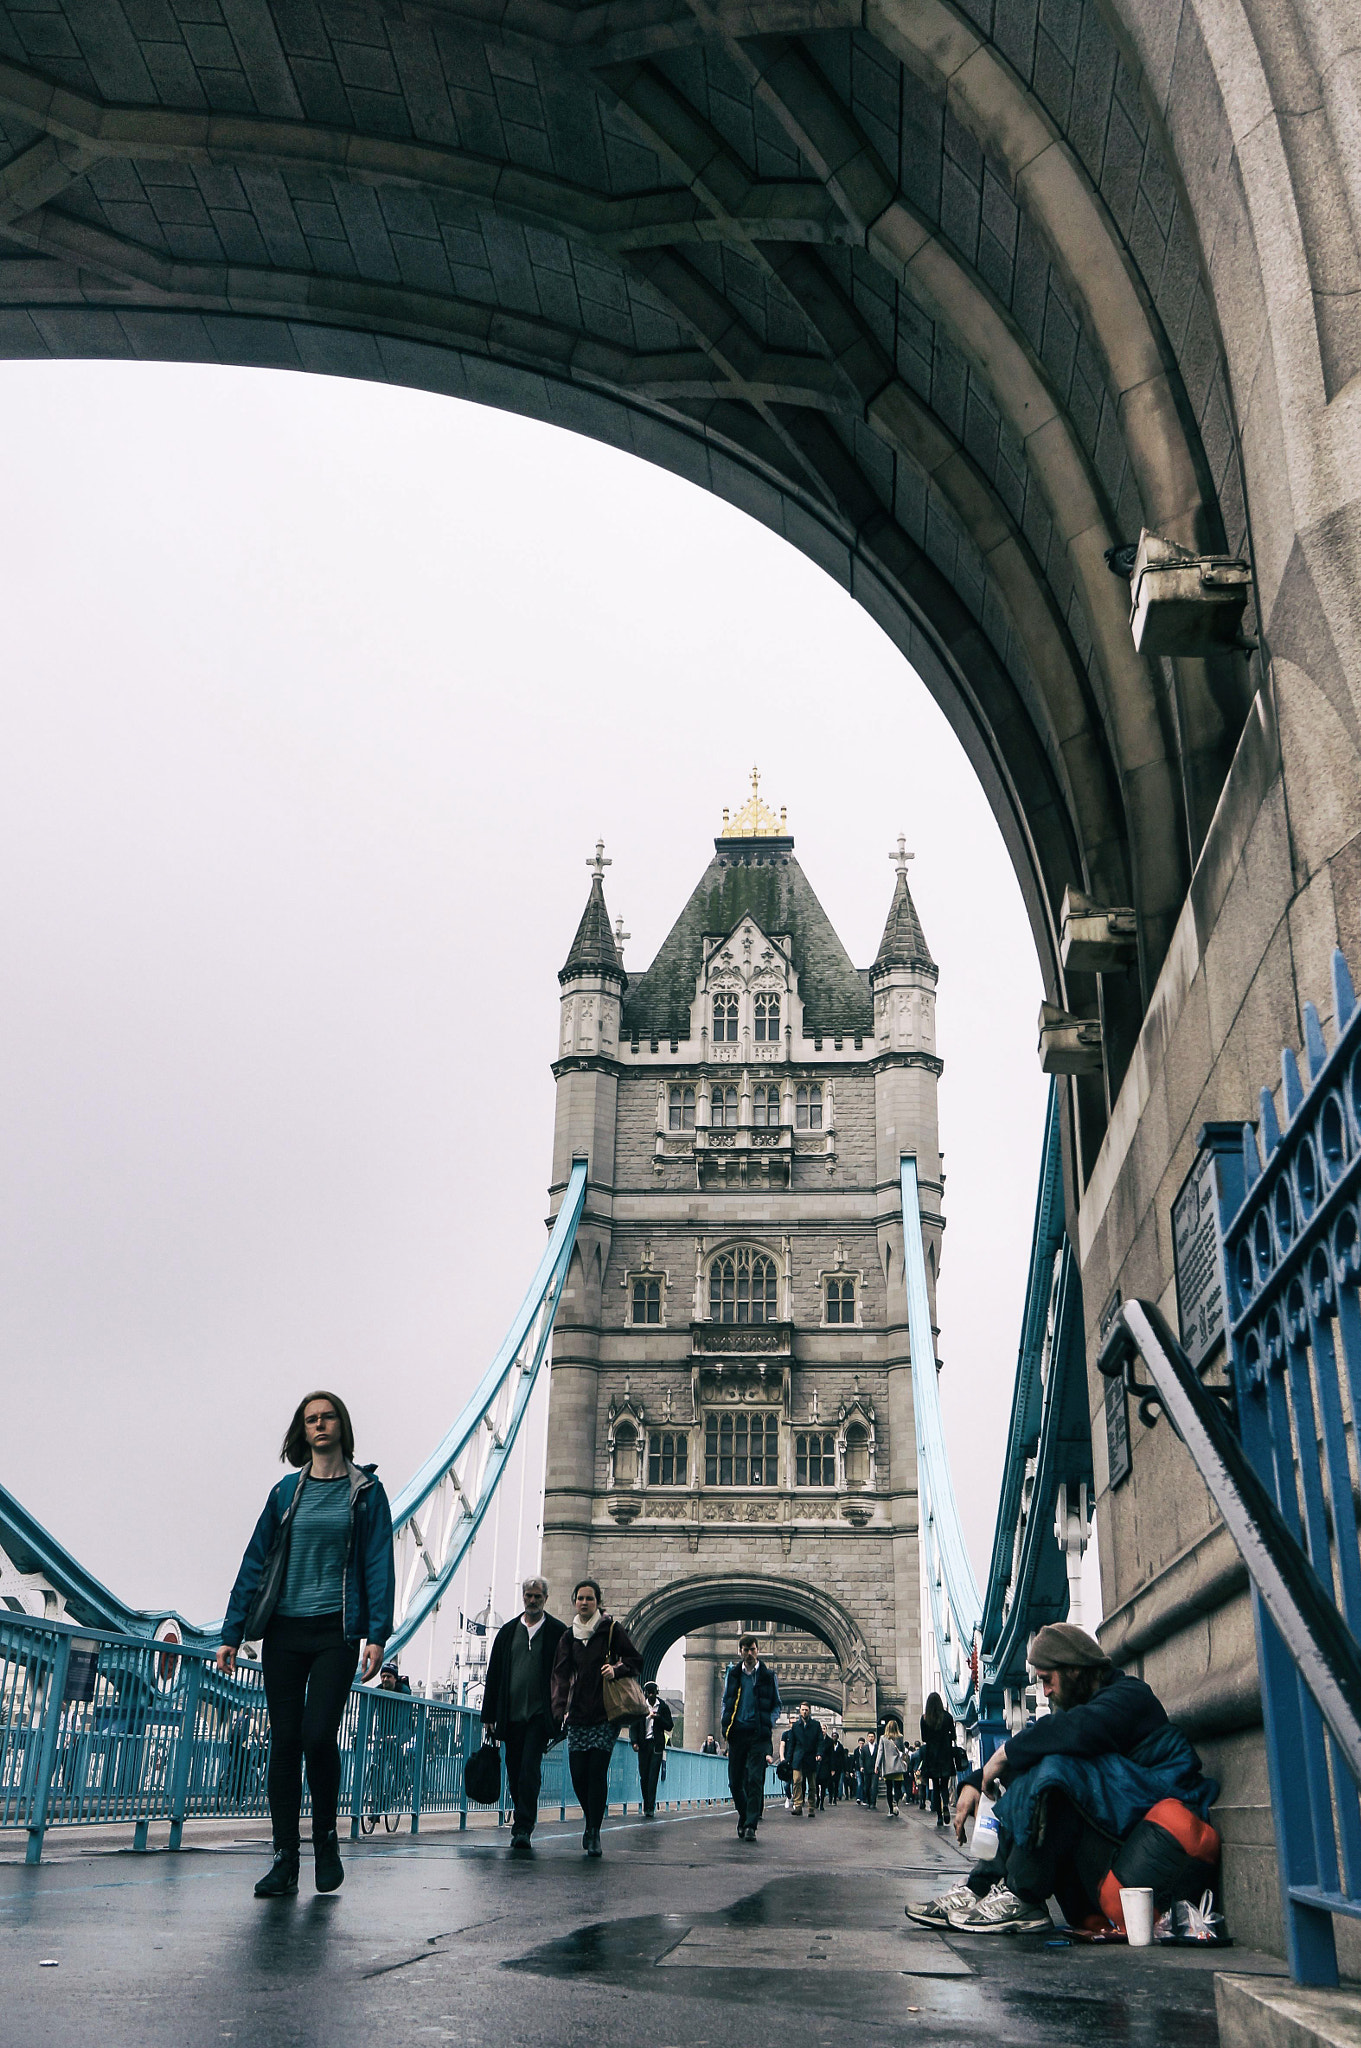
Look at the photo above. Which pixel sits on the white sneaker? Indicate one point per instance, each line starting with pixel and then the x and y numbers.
pixel 1000 1912
pixel 936 1912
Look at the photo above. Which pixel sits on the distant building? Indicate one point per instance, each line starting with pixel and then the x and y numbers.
pixel 731 1424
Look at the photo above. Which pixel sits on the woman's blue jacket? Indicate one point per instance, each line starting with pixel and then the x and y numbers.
pixel 370 1583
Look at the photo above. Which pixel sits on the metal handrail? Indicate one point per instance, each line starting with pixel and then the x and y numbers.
pixel 1275 1448
pixel 1321 1646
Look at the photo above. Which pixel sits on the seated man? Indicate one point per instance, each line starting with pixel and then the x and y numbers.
pixel 1078 1784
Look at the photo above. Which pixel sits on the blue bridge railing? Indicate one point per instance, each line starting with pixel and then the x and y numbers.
pixel 98 1728
pixel 1277 1448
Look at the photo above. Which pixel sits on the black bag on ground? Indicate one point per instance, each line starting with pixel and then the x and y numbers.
pixel 482 1774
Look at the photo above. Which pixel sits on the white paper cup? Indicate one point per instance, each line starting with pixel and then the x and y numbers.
pixel 1136 1903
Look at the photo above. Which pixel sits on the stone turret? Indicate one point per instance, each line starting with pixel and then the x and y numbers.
pixel 593 983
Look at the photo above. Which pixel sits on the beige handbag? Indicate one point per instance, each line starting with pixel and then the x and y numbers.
pixel 624 1698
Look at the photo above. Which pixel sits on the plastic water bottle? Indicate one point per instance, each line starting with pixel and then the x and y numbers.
pixel 984 1844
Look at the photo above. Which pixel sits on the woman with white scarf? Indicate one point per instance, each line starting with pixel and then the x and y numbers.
pixel 593 1649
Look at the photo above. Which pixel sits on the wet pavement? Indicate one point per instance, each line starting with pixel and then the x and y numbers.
pixel 680 1937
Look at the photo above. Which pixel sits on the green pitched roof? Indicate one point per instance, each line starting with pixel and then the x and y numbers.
pixel 904 941
pixel 762 879
pixel 593 948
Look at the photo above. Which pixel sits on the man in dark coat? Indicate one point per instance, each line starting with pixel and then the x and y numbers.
pixel 649 1739
pixel 802 1748
pixel 1078 1781
pixel 515 1705
pixel 751 1706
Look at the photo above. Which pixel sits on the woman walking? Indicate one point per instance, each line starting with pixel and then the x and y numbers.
pixel 316 1584
pixel 890 1761
pixel 593 1649
pixel 938 1754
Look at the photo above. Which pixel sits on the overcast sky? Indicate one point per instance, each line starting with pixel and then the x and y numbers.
pixel 316 698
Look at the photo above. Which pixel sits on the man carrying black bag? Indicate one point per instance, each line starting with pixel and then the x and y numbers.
pixel 515 1707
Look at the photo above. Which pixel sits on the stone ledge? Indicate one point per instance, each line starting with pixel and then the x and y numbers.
pixel 1268 2012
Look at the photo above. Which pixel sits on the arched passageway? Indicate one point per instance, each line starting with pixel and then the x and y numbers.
pixel 663 1617
pixel 882 278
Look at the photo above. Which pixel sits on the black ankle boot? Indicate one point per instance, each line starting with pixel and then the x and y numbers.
pixel 281 1879
pixel 593 1846
pixel 330 1870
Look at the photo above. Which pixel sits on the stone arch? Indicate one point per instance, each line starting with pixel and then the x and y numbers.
pixel 661 1618
pixel 705 237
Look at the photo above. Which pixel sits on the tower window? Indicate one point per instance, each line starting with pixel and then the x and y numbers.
pixel 723 1109
pixel 647 1301
pixel 857 1457
pixel 742 1288
pixel 815 1458
pixel 681 1109
pixel 740 1450
pixel 840 1301
pixel 765 1105
pixel 725 1018
pixel 667 1457
pixel 767 1020
pixel 808 1108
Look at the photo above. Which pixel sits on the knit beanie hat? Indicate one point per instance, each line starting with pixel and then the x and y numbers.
pixel 1061 1642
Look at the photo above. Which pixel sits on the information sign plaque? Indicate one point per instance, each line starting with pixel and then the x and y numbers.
pixel 1117 1432
pixel 1198 1256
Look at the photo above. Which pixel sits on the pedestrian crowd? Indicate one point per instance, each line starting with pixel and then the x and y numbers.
pixel 1097 1797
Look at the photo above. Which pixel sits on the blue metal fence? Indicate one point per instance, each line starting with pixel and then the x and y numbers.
pixel 1290 1211
pixel 97 1727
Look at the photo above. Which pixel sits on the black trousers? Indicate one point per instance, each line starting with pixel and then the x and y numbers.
pixel 747 1775
pixel 1068 1859
pixel 590 1770
pixel 650 1756
pixel 308 1669
pixel 525 1743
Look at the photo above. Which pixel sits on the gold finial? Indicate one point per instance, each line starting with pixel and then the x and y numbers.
pixel 755 820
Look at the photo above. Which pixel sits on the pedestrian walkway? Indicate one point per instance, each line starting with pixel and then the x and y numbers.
pixel 681 1937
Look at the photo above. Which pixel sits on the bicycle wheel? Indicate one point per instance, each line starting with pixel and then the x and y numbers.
pixel 391 1822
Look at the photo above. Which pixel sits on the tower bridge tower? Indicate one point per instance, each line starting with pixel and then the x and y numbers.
pixel 731 1421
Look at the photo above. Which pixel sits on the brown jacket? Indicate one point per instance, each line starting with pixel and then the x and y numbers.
pixel 576 1692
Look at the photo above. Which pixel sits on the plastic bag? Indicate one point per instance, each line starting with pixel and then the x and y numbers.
pixel 1186 1920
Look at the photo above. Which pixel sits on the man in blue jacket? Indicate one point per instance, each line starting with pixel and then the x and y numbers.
pixel 1070 1788
pixel 751 1707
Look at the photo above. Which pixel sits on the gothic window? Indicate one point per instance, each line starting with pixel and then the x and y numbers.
pixel 723 1109
pixel 681 1109
pixel 767 1020
pixel 742 1288
pixel 815 1458
pixel 647 1300
pixel 625 1455
pixel 840 1301
pixel 725 1018
pixel 765 1105
pixel 857 1457
pixel 808 1108
pixel 740 1450
pixel 668 1453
